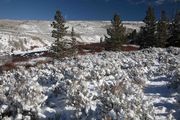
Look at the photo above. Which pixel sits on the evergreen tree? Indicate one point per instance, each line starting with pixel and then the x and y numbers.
pixel 132 37
pixel 116 34
pixel 73 42
pixel 73 34
pixel 148 37
pixel 175 38
pixel 59 31
pixel 140 38
pixel 162 30
pixel 59 26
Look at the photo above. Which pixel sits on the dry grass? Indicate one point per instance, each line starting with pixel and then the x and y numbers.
pixel 7 66
pixel 82 50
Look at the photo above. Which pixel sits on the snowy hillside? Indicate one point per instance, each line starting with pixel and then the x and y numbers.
pixel 25 35
pixel 107 85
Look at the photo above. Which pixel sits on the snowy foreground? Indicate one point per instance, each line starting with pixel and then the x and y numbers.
pixel 107 85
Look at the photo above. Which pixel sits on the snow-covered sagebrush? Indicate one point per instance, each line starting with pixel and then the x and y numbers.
pixel 107 85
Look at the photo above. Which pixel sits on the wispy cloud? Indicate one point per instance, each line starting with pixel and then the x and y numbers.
pixel 159 2
pixel 156 2
pixel 136 1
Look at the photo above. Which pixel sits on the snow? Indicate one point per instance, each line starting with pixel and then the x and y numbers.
pixel 23 35
pixel 157 90
pixel 118 85
pixel 33 61
pixel 43 49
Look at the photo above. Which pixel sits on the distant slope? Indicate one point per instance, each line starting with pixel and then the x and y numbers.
pixel 24 35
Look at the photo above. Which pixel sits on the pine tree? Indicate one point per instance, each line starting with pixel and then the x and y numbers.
pixel 116 34
pixel 162 30
pixel 59 32
pixel 175 38
pixel 148 37
pixel 59 26
pixel 132 37
pixel 73 34
pixel 73 42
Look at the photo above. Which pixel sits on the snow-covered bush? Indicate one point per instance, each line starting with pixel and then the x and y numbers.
pixel 107 85
pixel 175 83
pixel 20 96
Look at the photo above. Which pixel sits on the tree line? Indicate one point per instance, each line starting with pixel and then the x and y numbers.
pixel 162 33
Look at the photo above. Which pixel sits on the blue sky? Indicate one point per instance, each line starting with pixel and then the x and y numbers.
pixel 81 9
